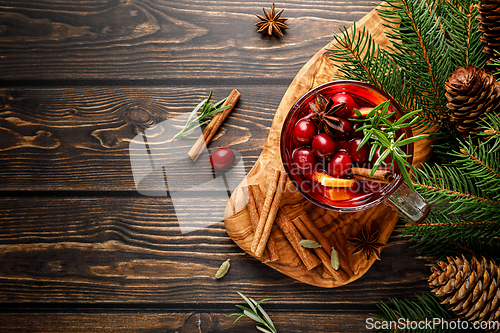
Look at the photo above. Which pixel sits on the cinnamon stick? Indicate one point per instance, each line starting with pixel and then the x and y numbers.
pixel 271 215
pixel 381 176
pixel 213 126
pixel 272 186
pixel 325 243
pixel 271 252
pixel 308 258
pixel 320 252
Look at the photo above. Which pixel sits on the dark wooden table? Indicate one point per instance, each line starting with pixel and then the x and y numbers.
pixel 80 249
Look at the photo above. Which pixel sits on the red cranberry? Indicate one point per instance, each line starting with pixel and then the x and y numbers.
pixel 357 134
pixel 348 109
pixel 304 131
pixel 359 156
pixel 339 164
pixel 343 145
pixel 304 159
pixel 222 158
pixel 347 130
pixel 385 163
pixel 323 145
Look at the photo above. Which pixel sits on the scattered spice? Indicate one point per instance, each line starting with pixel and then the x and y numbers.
pixel 271 22
pixel 320 251
pixel 335 259
pixel 367 243
pixel 214 125
pixel 309 244
pixel 223 269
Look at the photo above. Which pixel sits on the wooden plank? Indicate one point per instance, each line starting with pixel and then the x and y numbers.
pixel 186 40
pixel 130 250
pixel 182 322
pixel 78 138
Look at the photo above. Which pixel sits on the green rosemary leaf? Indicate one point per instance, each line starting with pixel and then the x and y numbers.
pixel 412 139
pixel 263 329
pixel 248 301
pixel 208 109
pixel 240 315
pixel 379 161
pixel 253 316
pixel 255 312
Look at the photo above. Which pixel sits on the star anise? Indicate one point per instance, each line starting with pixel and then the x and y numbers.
pixel 271 22
pixel 367 243
pixel 324 110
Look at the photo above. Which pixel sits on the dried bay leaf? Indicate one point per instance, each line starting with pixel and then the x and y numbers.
pixel 335 259
pixel 223 269
pixel 309 244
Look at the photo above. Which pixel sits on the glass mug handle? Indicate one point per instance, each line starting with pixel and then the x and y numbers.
pixel 408 203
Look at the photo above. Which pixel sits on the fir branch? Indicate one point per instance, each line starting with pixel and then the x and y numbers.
pixel 462 25
pixel 397 316
pixel 421 48
pixel 455 191
pixel 491 131
pixel 360 58
pixel 443 235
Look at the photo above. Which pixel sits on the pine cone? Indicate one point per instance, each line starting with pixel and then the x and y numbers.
pixel 489 18
pixel 471 93
pixel 471 289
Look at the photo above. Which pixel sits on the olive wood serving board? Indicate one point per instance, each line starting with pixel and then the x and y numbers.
pixel 337 227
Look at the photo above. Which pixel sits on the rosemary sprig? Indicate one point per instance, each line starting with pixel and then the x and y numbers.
pixel 381 131
pixel 254 312
pixel 193 121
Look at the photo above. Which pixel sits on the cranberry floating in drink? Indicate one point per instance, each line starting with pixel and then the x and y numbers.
pixel 332 168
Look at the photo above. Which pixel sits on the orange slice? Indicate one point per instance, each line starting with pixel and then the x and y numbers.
pixel 339 194
pixel 327 180
pixel 337 182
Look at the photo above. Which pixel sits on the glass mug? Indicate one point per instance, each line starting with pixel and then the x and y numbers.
pixel 362 195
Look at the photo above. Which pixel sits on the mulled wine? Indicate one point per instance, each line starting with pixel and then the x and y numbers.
pixel 320 146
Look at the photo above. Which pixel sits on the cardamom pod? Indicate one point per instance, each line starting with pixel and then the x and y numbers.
pixel 223 269
pixel 309 244
pixel 335 259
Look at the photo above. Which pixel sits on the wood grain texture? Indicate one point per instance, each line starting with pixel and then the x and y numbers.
pixel 338 227
pixel 142 39
pixel 109 250
pixel 80 249
pixel 79 138
pixel 181 322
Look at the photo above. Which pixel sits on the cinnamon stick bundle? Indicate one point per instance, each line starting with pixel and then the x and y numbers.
pixel 213 126
pixel 308 258
pixel 268 213
pixel 381 176
pixel 271 252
